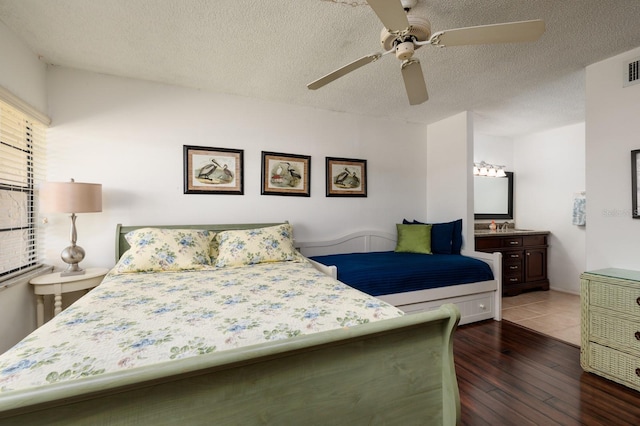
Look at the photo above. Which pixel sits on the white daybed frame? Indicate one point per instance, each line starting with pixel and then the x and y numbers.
pixel 476 301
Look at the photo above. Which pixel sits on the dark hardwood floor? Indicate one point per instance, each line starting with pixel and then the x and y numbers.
pixel 509 375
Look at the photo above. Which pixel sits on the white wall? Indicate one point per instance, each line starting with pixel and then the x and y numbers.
pixel 550 172
pixel 129 136
pixel 612 131
pixel 21 72
pixel 449 172
pixel 496 150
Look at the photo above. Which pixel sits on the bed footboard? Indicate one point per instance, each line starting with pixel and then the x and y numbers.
pixel 398 371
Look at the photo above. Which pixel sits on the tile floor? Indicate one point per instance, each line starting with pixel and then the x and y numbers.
pixel 550 312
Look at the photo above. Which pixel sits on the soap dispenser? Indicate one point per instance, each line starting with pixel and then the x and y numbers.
pixel 493 226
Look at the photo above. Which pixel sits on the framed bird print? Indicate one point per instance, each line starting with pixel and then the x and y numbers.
pixel 346 177
pixel 635 178
pixel 213 170
pixel 286 174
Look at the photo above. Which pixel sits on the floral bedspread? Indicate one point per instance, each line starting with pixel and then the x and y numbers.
pixel 132 320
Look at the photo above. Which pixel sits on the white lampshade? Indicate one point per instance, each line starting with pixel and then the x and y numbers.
pixel 71 197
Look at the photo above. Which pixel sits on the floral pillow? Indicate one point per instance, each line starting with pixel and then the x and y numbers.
pixel 251 246
pixel 156 249
pixel 213 248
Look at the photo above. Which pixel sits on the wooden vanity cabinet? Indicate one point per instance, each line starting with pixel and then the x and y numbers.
pixel 524 259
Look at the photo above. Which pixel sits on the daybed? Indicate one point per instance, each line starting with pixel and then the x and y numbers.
pixel 166 346
pixel 478 300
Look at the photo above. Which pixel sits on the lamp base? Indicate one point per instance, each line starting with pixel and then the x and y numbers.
pixel 70 271
pixel 72 255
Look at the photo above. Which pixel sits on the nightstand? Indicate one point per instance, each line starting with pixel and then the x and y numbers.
pixel 56 285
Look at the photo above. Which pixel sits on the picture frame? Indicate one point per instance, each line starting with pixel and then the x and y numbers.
pixel 286 174
pixel 213 170
pixel 635 178
pixel 346 177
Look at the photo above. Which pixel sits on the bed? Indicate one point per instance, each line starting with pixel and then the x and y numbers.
pixel 477 300
pixel 373 365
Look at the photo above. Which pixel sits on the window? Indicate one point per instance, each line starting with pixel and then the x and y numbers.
pixel 22 158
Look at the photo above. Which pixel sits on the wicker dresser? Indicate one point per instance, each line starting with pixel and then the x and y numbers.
pixel 610 318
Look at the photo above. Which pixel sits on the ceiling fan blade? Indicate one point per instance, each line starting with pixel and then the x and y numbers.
pixel 344 70
pixel 391 13
pixel 414 82
pixel 511 32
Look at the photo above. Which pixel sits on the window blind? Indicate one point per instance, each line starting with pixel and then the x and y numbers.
pixel 22 169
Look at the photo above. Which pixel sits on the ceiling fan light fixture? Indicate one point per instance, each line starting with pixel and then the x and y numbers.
pixel 404 50
pixel 408 4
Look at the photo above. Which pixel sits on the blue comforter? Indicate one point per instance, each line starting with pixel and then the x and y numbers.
pixel 379 273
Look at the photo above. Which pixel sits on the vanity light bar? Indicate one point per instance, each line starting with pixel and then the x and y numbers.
pixel 489 170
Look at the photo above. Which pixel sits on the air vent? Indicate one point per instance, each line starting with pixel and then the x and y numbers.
pixel 631 72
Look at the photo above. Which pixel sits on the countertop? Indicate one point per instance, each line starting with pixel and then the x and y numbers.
pixel 508 232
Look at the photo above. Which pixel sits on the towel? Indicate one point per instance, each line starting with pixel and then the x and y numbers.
pixel 580 210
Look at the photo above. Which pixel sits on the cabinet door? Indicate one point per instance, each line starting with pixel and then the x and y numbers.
pixel 535 264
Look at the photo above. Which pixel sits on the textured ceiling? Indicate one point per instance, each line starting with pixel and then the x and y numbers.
pixel 270 49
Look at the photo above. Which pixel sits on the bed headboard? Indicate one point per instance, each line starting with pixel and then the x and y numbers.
pixel 122 245
pixel 355 242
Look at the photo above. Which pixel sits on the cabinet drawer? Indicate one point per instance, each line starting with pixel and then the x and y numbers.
pixel 616 365
pixel 615 297
pixel 534 240
pixel 615 332
pixel 511 278
pixel 512 256
pixel 472 308
pixel 512 268
pixel 488 243
pixel 512 242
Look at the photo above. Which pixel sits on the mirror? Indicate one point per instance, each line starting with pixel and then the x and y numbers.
pixel 493 197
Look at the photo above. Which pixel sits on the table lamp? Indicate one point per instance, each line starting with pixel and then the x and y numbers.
pixel 71 197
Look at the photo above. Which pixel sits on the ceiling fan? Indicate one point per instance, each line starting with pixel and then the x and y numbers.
pixel 403 33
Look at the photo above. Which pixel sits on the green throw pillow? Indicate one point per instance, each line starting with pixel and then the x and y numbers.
pixel 414 239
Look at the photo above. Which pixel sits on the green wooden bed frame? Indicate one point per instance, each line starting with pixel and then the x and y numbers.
pixel 395 371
